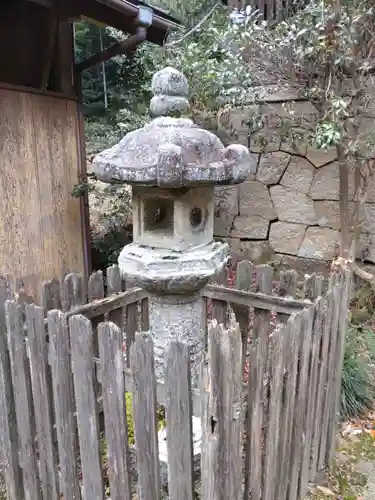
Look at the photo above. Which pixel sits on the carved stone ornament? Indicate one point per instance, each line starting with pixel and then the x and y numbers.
pixel 172 151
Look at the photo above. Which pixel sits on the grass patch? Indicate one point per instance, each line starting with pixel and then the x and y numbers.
pixel 358 390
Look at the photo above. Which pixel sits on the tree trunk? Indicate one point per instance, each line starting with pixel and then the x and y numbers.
pixel 344 202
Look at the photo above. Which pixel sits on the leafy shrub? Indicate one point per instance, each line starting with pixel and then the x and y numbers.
pixel 358 389
pixel 106 248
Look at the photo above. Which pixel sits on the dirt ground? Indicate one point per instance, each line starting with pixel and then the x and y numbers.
pixel 369 470
pixel 352 476
pixel 353 470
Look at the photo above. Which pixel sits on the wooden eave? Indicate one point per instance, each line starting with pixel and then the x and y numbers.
pixel 120 14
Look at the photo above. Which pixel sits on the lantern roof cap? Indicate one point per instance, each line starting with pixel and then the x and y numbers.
pixel 172 151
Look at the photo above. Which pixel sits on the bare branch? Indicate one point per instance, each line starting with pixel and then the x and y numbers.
pixel 195 28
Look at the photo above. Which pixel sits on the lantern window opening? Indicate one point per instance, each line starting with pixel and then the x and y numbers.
pixel 158 216
pixel 198 218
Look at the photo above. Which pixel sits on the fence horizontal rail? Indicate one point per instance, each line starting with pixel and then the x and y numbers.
pixel 99 307
pixel 259 287
pixel 108 304
pixel 254 299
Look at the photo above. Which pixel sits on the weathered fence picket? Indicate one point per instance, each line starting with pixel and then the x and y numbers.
pixel 314 387
pixel 287 288
pixel 82 347
pixel 72 292
pixel 292 337
pixel 51 298
pixel 299 429
pixel 55 383
pixel 321 380
pixel 144 415
pixel 288 283
pixel 131 325
pixel 145 316
pixel 222 414
pixel 273 445
pixel 64 403
pixel 116 431
pixel 254 430
pixel 330 333
pixel 339 356
pixel 8 424
pixel 261 335
pixel 179 411
pixel 220 307
pixel 327 437
pixel 96 292
pixel 23 400
pixel 244 281
pixel 42 401
pixel 114 285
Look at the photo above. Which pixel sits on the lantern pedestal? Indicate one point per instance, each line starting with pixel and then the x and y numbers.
pixel 174 280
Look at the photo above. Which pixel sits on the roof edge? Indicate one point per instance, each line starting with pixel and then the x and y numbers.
pixel 160 19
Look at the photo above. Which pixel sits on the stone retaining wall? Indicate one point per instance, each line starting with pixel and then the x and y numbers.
pixel 290 208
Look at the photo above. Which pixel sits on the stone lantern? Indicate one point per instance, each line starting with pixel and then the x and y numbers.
pixel 173 166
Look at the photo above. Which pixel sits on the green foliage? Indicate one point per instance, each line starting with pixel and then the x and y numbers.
pixel 320 49
pixel 106 247
pixel 160 417
pixel 189 12
pixel 100 134
pixel 358 390
pixel 114 93
pixel 123 74
pixel 81 189
pixel 111 225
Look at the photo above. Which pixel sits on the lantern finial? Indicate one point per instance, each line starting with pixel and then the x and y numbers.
pixel 171 92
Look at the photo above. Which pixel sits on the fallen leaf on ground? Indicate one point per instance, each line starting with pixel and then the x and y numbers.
pixel 326 491
pixel 352 430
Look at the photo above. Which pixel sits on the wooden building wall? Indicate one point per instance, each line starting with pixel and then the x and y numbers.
pixel 40 222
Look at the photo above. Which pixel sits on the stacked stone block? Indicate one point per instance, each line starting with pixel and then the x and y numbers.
pixel 290 207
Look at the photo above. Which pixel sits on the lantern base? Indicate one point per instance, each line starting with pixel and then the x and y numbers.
pixel 163 451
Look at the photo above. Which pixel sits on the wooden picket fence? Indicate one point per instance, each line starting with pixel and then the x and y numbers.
pixel 271 10
pixel 264 437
